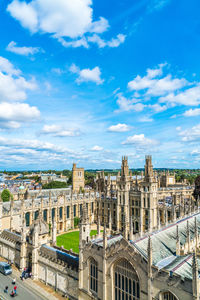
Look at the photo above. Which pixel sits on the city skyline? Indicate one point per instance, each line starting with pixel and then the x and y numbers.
pixel 89 82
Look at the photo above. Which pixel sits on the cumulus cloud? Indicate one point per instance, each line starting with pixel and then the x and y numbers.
pixel 191 134
pixel 13 86
pixel 154 85
pixel 97 148
pixel 163 89
pixel 12 114
pixel 86 75
pixel 68 21
pixel 192 112
pixel 139 140
pixel 128 104
pixel 59 131
pixel 119 128
pixel 12 47
pixel 190 96
pixel 113 43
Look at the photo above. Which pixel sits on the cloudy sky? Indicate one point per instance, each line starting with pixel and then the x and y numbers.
pixel 89 81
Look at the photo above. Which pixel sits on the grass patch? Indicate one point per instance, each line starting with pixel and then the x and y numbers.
pixel 71 240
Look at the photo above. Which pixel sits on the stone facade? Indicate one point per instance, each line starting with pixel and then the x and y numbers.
pixel 78 180
pixel 63 205
pixel 149 248
pixel 139 205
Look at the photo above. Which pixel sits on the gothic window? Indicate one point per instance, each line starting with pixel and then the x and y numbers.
pixel 74 210
pixel 168 296
pixel 136 226
pixel 27 219
pixel 53 212
pixel 126 282
pixel 60 212
pixel 67 212
pixel 81 209
pixel 93 276
pixel 45 215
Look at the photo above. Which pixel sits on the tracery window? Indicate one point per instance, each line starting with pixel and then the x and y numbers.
pixel 93 275
pixel 168 296
pixel 126 282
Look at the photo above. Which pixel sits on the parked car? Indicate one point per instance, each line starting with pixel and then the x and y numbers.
pixel 5 268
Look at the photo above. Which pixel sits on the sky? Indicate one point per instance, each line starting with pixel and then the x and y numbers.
pixel 90 81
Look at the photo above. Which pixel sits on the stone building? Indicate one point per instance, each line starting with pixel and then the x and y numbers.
pixel 61 205
pixel 78 180
pixel 137 206
pixel 161 265
pixel 149 248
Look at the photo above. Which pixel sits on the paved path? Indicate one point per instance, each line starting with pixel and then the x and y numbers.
pixel 24 292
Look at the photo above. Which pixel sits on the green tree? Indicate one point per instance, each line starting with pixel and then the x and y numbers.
pixel 6 195
pixel 76 221
pixel 54 185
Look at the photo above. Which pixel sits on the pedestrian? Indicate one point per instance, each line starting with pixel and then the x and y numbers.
pixel 14 281
pixel 15 289
pixel 6 289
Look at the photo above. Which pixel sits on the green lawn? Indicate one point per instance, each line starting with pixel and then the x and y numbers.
pixel 71 240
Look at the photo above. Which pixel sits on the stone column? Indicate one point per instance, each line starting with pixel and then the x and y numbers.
pixel 35 252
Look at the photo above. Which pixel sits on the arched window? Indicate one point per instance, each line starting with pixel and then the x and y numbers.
pixel 126 282
pixel 27 219
pixel 93 275
pixel 168 296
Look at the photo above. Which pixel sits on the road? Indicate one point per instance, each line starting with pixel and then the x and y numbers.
pixel 24 292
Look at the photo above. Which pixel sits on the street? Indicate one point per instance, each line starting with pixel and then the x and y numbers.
pixel 24 293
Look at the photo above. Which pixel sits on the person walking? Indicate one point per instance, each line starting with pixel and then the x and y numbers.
pixel 15 289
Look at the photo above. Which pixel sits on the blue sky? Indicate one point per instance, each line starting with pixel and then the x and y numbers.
pixel 89 81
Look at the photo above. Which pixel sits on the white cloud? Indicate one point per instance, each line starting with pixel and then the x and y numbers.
pixel 192 112
pixel 13 87
pixel 189 96
pixel 157 107
pixel 115 42
pixel 139 140
pixel 86 75
pixel 146 119
pixel 32 144
pixel 75 43
pixel 97 148
pixel 18 112
pixel 119 128
pixel 154 85
pixel 191 135
pixel 128 104
pixel 59 131
pixel 7 67
pixel 12 47
pixel 62 19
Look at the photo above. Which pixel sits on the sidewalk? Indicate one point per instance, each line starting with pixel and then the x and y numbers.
pixel 39 288
pixel 44 291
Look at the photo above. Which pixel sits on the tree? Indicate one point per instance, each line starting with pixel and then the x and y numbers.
pixel 6 195
pixel 54 185
pixel 76 221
